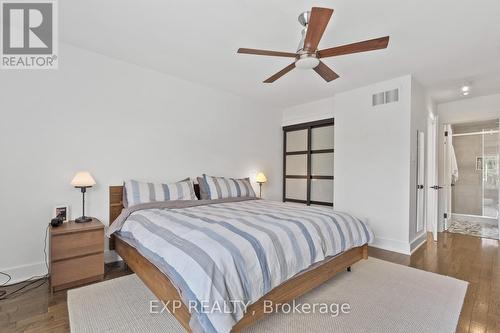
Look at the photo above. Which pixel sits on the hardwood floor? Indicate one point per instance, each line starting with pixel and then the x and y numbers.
pixel 39 311
pixel 469 258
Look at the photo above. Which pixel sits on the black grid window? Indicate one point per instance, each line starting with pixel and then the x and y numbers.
pixel 308 154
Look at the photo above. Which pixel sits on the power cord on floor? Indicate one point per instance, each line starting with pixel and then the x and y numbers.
pixel 40 279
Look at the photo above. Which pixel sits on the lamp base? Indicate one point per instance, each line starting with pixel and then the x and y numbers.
pixel 83 219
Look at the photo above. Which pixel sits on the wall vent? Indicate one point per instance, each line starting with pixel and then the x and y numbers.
pixel 378 99
pixel 385 97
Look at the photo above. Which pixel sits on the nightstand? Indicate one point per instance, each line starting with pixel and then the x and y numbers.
pixel 76 254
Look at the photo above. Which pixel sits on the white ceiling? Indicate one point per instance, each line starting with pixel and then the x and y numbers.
pixel 442 43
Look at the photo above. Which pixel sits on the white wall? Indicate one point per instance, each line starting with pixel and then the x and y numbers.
pixel 375 156
pixel 372 161
pixel 470 109
pixel 419 116
pixel 316 110
pixel 118 121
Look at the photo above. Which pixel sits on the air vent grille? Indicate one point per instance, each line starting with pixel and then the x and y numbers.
pixel 378 99
pixel 385 97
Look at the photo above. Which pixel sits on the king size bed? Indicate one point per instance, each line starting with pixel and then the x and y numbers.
pixel 194 254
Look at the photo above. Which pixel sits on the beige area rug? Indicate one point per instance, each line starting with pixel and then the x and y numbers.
pixel 383 297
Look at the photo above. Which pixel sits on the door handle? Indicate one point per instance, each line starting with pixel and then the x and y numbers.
pixel 420 187
pixel 436 187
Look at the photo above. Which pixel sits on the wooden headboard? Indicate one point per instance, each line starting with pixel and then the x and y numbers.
pixel 115 202
pixel 115 208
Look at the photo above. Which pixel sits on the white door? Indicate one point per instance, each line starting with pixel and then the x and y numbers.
pixel 420 181
pixel 432 177
pixel 448 142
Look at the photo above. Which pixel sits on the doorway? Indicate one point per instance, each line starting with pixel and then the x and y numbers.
pixel 472 178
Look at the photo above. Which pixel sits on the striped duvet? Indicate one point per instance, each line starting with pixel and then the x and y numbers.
pixel 237 250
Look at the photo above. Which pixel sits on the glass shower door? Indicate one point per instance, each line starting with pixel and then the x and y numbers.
pixel 475 188
pixel 489 165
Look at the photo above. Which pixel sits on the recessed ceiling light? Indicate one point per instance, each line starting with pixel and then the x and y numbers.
pixel 465 90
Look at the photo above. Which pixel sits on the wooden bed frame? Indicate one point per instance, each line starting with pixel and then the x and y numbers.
pixel 164 289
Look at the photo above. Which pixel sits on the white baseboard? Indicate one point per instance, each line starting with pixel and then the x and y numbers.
pixel 418 242
pixel 24 272
pixel 391 245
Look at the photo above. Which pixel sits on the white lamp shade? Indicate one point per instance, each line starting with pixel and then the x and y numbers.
pixel 83 179
pixel 261 178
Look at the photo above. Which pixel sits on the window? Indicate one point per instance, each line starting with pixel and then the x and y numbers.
pixel 308 157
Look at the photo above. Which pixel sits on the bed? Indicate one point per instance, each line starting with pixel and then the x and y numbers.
pixel 317 260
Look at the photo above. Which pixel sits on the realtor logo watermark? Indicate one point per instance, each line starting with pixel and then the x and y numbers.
pixel 29 34
pixel 235 307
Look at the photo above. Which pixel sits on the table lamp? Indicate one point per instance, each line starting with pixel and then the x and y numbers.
pixel 261 179
pixel 83 180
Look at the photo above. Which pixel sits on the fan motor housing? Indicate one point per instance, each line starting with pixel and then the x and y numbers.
pixel 304 18
pixel 304 21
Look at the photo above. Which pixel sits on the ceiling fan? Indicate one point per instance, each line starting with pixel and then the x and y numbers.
pixel 308 56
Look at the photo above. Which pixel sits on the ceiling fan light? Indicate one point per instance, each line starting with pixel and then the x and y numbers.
pixel 307 62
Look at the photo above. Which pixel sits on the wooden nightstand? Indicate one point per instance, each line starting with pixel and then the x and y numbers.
pixel 76 254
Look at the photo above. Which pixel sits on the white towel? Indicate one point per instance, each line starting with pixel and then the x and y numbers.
pixel 454 165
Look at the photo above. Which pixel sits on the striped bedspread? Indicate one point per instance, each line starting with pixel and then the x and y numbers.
pixel 233 253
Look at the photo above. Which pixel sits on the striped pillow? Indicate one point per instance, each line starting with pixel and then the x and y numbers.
pixel 203 188
pixel 142 192
pixel 221 187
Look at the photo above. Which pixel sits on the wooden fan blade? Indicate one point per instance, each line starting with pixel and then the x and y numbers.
pixel 280 73
pixel 267 53
pixel 318 21
pixel 325 72
pixel 367 45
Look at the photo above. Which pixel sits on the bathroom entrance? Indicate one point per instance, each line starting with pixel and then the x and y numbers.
pixel 472 172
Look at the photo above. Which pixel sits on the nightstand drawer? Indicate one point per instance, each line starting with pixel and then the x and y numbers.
pixel 67 271
pixel 77 244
